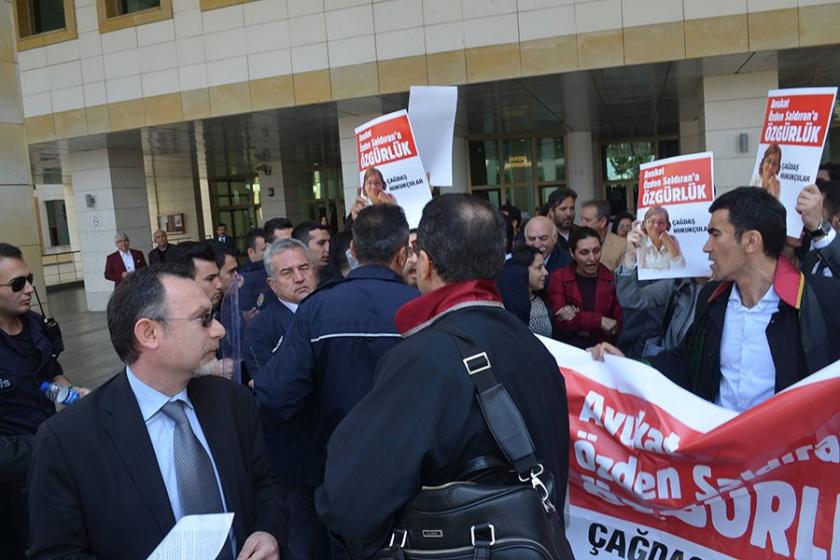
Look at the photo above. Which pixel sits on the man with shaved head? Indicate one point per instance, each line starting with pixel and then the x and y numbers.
pixel 541 234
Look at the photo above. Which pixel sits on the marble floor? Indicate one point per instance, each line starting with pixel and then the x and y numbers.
pixel 88 358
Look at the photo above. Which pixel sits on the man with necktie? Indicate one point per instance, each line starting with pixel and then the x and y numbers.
pixel 112 475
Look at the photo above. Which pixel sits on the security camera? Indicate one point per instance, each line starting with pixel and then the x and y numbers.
pixel 264 168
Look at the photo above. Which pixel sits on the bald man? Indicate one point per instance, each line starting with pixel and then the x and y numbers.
pixel 541 234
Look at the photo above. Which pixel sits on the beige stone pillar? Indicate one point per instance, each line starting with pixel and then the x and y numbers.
pixel 734 104
pixel 17 209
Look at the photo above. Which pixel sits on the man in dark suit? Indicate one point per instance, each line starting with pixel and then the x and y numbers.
pixel 112 474
pixel 158 254
pixel 222 236
pixel 122 261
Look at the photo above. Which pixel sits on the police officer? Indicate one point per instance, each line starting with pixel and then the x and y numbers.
pixel 254 291
pixel 291 444
pixel 326 361
pixel 28 357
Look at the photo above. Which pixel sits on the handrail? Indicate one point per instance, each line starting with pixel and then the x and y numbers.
pixel 52 265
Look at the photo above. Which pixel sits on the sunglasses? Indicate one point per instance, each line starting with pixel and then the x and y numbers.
pixel 17 284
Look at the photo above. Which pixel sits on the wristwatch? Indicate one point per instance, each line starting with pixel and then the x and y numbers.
pixel 821 231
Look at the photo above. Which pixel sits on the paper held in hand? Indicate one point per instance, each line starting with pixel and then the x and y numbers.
pixel 791 144
pixel 432 110
pixel 386 145
pixel 195 537
pixel 674 199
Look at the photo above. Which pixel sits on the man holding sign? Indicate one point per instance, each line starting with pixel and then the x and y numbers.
pixel 758 327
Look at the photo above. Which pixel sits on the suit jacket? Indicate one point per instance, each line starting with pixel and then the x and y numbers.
pixel 95 488
pixel 829 255
pixel 114 266
pixel 612 250
pixel 228 242
pixel 157 256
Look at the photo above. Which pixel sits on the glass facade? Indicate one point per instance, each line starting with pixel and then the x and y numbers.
pixel 131 6
pixel 57 223
pixel 517 170
pixel 40 16
pixel 236 203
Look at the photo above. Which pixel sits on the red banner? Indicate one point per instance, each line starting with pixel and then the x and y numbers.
pixel 385 142
pixel 680 180
pixel 653 466
pixel 797 120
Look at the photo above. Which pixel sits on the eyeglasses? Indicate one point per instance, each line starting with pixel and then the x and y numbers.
pixel 206 319
pixel 17 284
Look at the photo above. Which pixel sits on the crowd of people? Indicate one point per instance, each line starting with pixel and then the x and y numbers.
pixel 310 385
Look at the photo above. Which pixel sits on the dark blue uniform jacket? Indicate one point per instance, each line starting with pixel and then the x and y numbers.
pixel 337 337
pixel 291 444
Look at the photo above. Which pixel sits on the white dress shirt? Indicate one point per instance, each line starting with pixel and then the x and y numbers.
pixel 748 374
pixel 128 260
pixel 162 433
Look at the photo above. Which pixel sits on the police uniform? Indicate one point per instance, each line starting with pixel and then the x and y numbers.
pixel 337 336
pixel 326 362
pixel 254 291
pixel 26 360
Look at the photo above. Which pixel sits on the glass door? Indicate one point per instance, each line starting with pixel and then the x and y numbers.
pixel 235 202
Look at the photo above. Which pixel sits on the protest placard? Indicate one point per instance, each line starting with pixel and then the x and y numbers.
pixel 674 199
pixel 386 146
pixel 791 145
pixel 656 472
pixel 431 110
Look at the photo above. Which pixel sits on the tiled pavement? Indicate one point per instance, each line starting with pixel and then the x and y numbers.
pixel 88 358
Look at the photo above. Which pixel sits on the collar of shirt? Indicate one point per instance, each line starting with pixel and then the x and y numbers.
pixel 151 400
pixel 770 300
pixel 289 305
pixel 127 254
pixel 823 241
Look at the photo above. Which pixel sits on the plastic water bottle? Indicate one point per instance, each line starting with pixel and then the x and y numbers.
pixel 59 394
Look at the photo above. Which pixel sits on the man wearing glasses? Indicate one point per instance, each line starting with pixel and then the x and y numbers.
pixel 27 358
pixel 111 477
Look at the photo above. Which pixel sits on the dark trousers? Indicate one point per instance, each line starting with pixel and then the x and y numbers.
pixel 13 522
pixel 301 524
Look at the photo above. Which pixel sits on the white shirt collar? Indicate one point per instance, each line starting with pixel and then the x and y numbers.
pixel 291 306
pixel 770 300
pixel 151 400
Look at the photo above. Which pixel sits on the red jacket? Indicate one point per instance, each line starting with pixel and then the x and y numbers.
pixel 564 290
pixel 114 266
